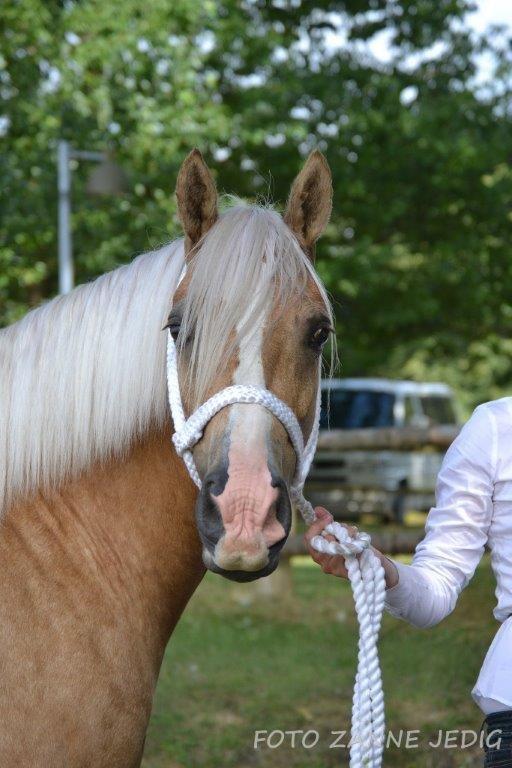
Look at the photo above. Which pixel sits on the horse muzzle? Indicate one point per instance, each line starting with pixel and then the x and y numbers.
pixel 243 522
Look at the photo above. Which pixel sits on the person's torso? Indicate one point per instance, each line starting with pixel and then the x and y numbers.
pixel 500 529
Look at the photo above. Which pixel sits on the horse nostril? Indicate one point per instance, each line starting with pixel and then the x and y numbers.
pixel 283 505
pixel 208 517
pixel 216 481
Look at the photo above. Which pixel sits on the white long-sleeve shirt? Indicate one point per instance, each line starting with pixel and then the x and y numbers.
pixel 473 508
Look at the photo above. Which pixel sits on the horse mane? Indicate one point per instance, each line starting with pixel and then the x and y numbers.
pixel 83 375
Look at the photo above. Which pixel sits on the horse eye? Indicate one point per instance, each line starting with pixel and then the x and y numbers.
pixel 320 337
pixel 174 324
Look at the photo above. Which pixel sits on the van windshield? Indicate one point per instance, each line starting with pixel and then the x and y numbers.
pixel 356 409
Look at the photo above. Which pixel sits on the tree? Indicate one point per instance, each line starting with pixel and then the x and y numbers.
pixel 129 75
pixel 417 254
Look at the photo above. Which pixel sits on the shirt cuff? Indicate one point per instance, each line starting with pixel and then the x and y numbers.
pixel 398 598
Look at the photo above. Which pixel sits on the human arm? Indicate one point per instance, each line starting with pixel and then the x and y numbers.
pixel 426 591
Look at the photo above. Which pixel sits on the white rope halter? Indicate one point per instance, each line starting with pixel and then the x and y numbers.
pixel 364 569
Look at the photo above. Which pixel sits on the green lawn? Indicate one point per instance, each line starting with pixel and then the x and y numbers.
pixel 240 661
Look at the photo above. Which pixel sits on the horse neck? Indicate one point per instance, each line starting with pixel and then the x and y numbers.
pixel 125 534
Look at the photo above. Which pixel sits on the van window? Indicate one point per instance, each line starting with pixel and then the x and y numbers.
pixel 356 409
pixel 438 409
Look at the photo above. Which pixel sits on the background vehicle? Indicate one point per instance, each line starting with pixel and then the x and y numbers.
pixel 381 446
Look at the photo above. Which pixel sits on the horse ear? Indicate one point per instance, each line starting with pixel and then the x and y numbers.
pixel 310 202
pixel 197 198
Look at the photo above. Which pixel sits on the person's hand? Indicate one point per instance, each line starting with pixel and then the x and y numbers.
pixel 335 564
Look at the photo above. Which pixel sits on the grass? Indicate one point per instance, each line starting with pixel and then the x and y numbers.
pixel 241 661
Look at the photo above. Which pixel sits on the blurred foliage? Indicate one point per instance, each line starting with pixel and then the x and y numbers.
pixel 417 257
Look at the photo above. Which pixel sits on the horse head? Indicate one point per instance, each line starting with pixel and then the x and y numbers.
pixel 250 310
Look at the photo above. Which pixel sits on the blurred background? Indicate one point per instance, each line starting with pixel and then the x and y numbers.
pixel 410 102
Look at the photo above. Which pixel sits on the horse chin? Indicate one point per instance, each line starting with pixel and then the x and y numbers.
pixel 242 576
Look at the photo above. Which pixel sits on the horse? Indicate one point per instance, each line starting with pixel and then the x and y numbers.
pixel 103 536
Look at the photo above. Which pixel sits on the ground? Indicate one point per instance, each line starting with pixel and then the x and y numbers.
pixel 242 661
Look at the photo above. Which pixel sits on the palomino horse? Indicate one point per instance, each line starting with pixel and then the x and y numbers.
pixel 100 549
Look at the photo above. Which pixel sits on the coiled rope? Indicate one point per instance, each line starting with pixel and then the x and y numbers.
pixel 364 569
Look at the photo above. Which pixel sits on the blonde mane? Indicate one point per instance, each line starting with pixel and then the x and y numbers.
pixel 83 375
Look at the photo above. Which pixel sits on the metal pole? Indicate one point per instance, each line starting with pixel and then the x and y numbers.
pixel 66 276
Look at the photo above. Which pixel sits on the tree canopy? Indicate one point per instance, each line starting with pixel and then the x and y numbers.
pixel 417 256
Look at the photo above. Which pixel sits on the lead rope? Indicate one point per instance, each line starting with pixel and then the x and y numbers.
pixel 364 569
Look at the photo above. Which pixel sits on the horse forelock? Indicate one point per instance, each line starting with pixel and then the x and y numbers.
pixel 248 263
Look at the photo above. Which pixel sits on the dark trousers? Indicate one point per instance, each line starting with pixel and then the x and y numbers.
pixel 498 740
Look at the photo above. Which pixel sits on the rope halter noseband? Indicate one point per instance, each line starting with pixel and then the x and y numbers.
pixel 364 569
pixel 189 431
